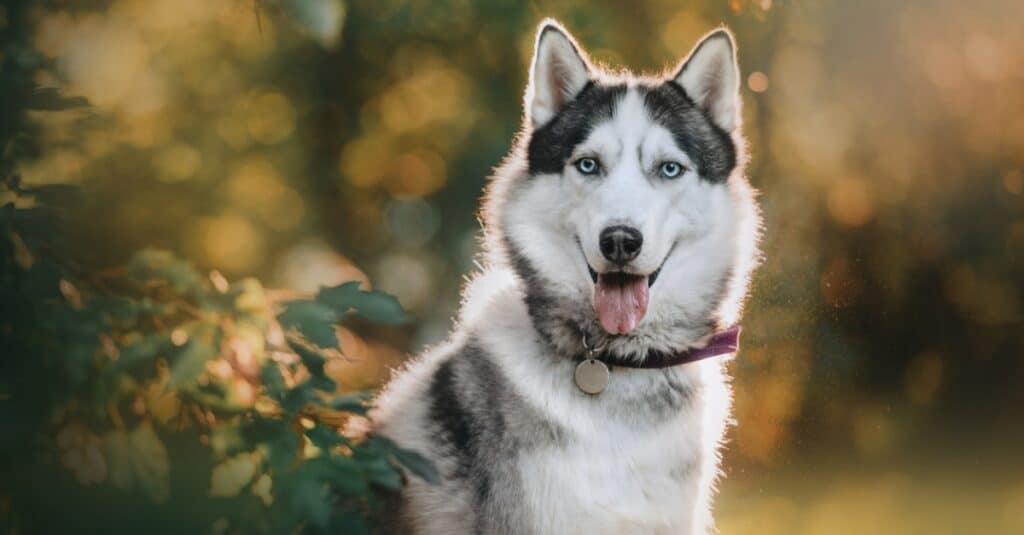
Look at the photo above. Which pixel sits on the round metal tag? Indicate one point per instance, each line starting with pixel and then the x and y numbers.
pixel 591 376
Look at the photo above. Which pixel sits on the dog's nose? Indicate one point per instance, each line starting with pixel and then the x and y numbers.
pixel 620 244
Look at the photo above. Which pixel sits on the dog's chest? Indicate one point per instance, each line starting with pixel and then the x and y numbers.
pixel 613 479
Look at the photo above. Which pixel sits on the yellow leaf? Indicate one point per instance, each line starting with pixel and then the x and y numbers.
pixel 139 457
pixel 119 455
pixel 163 404
pixel 150 462
pixel 261 488
pixel 232 475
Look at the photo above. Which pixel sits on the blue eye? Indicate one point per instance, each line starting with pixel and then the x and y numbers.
pixel 587 166
pixel 671 169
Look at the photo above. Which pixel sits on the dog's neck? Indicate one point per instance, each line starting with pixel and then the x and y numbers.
pixel 566 338
pixel 722 342
pixel 495 314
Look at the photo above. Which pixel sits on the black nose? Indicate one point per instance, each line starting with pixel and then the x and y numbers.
pixel 620 244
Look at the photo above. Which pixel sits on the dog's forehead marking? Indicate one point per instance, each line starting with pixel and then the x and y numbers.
pixel 710 148
pixel 630 119
pixel 632 130
pixel 551 145
pixel 630 108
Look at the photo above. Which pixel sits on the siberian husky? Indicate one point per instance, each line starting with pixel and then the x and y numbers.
pixel 575 394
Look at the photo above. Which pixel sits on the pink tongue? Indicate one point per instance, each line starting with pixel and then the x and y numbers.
pixel 620 302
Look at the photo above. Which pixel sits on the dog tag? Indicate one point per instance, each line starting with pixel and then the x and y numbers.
pixel 591 376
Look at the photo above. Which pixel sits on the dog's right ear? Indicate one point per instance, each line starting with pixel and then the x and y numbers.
pixel 558 72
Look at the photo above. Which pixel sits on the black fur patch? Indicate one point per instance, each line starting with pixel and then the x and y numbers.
pixel 549 318
pixel 483 426
pixel 552 144
pixel 452 418
pixel 711 147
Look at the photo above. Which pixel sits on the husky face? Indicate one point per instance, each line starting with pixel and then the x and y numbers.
pixel 624 209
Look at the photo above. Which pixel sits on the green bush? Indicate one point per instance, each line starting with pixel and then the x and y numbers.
pixel 151 396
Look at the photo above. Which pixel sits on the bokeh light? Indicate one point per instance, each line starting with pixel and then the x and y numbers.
pixel 878 390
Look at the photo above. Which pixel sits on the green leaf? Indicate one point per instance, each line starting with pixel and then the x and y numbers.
pixel 119 455
pixel 354 403
pixel 380 471
pixel 375 306
pixel 273 381
pixel 116 308
pixel 314 320
pixel 411 460
pixel 311 358
pixel 417 464
pixel 139 458
pixel 148 265
pixel 325 437
pixel 344 474
pixel 152 466
pixel 144 349
pixel 283 447
pixel 324 383
pixel 349 523
pixel 310 496
pixel 298 398
pixel 231 476
pixel 191 360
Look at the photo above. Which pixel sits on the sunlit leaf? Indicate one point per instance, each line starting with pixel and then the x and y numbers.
pixel 325 437
pixel 119 453
pixel 231 476
pixel 355 403
pixel 138 457
pixel 314 320
pixel 152 466
pixel 191 360
pixel 262 489
pixel 375 306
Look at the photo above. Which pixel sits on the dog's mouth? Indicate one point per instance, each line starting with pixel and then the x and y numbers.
pixel 620 298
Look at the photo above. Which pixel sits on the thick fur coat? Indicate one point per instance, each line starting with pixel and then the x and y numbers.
pixel 521 449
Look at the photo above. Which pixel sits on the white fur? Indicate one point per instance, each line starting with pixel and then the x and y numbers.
pixel 703 221
pixel 558 72
pixel 616 471
pixel 710 76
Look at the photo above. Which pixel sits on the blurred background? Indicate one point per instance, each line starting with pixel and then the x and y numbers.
pixel 879 389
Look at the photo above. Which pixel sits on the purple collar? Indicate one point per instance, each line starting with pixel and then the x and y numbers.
pixel 720 343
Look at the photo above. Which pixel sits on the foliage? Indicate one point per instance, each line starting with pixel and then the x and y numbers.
pixel 312 142
pixel 164 388
pixel 155 349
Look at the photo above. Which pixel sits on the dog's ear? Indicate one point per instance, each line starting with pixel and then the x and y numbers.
pixel 558 72
pixel 711 77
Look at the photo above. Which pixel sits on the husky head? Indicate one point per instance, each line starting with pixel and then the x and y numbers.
pixel 623 207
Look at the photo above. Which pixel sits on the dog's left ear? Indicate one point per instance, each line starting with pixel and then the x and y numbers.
pixel 710 75
pixel 558 72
